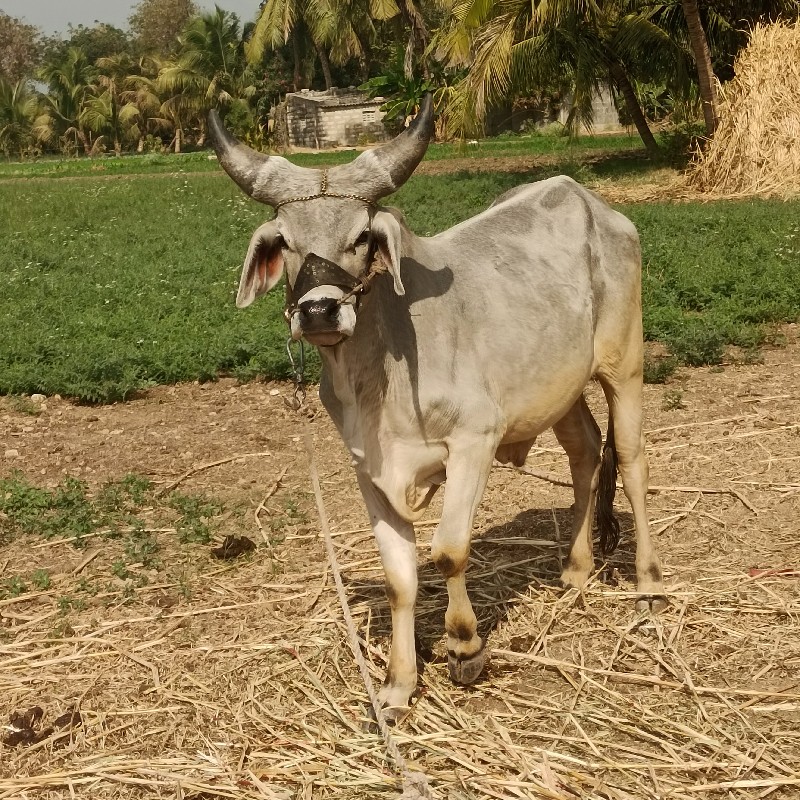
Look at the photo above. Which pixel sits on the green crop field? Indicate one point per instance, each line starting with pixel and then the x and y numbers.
pixel 170 163
pixel 114 285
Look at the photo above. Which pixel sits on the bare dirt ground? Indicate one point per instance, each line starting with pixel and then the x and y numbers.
pixel 234 679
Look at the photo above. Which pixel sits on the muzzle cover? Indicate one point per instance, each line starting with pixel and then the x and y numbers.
pixel 318 271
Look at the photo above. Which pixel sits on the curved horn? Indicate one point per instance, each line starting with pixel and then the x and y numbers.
pixel 268 179
pixel 386 168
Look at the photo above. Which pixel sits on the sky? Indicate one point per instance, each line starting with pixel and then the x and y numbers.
pixel 53 16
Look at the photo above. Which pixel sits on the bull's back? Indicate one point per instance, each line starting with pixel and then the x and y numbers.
pixel 533 277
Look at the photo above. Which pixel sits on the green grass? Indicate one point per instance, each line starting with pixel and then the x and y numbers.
pixel 717 274
pixel 116 510
pixel 110 286
pixel 203 161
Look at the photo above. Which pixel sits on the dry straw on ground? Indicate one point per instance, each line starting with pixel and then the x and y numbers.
pixel 755 148
pixel 234 680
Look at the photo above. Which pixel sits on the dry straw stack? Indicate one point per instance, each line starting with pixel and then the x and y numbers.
pixel 756 148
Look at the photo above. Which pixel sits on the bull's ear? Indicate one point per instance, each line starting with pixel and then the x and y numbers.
pixel 263 265
pixel 388 235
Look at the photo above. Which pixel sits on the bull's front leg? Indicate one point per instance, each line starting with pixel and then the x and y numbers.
pixel 467 472
pixel 396 545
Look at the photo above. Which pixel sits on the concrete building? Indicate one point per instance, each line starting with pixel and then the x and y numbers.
pixel 333 118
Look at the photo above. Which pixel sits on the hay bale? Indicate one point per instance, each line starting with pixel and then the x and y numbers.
pixel 756 149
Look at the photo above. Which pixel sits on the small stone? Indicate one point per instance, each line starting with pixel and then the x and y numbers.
pixel 11 453
pixel 38 398
pixel 274 392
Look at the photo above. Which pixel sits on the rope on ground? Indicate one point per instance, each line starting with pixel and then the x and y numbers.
pixel 415 784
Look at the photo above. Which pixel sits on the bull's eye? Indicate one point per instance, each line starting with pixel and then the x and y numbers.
pixel 362 241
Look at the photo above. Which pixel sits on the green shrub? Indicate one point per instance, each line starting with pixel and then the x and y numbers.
pixel 659 370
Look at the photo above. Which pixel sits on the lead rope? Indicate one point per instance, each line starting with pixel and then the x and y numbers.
pixel 415 783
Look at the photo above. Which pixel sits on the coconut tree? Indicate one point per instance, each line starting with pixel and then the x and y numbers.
pixel 711 33
pixel 209 71
pixel 334 30
pixel 18 107
pixel 307 25
pixel 517 46
pixel 69 80
pixel 702 57
pixel 141 90
pixel 109 110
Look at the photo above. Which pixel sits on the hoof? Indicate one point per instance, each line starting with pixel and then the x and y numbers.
pixel 464 671
pixel 393 715
pixel 573 579
pixel 652 603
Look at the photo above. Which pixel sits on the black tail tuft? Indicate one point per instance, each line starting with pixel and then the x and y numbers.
pixel 607 523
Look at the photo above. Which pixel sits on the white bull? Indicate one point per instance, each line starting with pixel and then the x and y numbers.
pixel 479 339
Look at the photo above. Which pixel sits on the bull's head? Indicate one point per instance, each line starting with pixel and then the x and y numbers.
pixel 327 228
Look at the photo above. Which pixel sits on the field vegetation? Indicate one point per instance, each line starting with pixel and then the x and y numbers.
pixel 536 144
pixel 114 285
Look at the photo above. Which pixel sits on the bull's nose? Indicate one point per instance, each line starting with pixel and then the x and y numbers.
pixel 321 311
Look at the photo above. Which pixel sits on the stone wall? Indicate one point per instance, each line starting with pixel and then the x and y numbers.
pixel 336 118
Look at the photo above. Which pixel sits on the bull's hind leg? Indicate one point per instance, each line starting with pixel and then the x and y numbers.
pixel 578 434
pixel 396 545
pixel 623 390
pixel 467 472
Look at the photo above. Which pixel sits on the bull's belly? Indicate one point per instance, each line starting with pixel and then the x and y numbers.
pixel 408 464
pixel 528 414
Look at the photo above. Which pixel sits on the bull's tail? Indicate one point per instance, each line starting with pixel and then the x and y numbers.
pixel 607 523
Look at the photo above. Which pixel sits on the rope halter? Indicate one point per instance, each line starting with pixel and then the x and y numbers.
pixel 323 192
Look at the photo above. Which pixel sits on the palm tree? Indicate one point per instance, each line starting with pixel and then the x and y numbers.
pixel 702 57
pixel 208 72
pixel 142 91
pixel 712 33
pixel 70 82
pixel 18 106
pixel 335 30
pixel 296 21
pixel 516 46
pixel 108 109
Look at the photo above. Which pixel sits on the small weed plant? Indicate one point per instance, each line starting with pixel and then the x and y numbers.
pixel 196 513
pixel 659 370
pixel 672 400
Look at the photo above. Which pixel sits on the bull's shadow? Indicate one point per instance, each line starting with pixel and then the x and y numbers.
pixel 506 561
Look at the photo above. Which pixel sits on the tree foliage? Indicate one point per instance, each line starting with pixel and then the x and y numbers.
pixel 156 24
pixel 18 105
pixel 95 41
pixel 20 48
pixel 151 87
